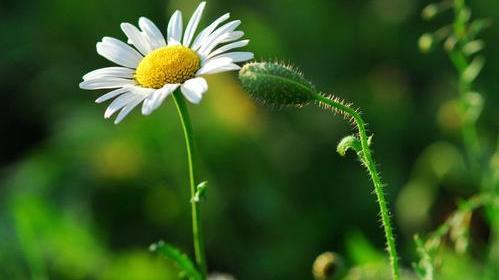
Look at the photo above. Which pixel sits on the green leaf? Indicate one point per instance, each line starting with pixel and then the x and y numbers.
pixel 200 192
pixel 181 260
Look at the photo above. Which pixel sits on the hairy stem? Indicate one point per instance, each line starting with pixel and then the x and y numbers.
pixel 197 227
pixel 370 164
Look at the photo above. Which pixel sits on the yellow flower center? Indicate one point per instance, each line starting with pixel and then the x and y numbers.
pixel 167 65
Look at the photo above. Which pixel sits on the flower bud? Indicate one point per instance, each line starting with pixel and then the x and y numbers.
pixel 326 265
pixel 425 42
pixel 450 43
pixel 276 84
pixel 473 106
pixel 430 11
pixel 478 26
pixel 473 47
pixel 474 69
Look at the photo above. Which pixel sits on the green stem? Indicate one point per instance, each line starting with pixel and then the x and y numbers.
pixel 370 164
pixel 197 228
pixel 461 63
pixel 468 128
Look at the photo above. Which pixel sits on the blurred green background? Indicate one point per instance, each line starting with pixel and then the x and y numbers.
pixel 82 198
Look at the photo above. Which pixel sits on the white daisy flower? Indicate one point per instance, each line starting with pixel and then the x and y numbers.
pixel 156 67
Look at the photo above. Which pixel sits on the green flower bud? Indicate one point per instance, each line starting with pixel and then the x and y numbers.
pixel 478 26
pixel 464 15
pixel 276 84
pixel 450 43
pixel 473 47
pixel 425 42
pixel 473 106
pixel 474 69
pixel 430 11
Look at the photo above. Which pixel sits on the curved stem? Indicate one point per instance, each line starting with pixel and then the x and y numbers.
pixel 370 164
pixel 197 228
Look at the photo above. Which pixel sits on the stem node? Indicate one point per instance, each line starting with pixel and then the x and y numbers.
pixel 197 227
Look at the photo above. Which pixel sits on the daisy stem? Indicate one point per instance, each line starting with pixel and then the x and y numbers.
pixel 197 227
pixel 367 159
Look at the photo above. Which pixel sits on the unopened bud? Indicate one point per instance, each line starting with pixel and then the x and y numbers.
pixel 473 47
pixel 326 265
pixel 474 69
pixel 276 84
pixel 464 15
pixel 430 11
pixel 473 106
pixel 425 42
pixel 450 43
pixel 478 26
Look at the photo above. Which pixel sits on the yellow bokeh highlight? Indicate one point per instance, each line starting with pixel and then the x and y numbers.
pixel 118 159
pixel 232 106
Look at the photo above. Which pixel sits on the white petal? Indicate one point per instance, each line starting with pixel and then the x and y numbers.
pixel 118 103
pixel 234 35
pixel 156 39
pixel 138 90
pixel 175 28
pixel 207 31
pixel 118 52
pixel 111 94
pixel 156 99
pixel 235 56
pixel 135 93
pixel 114 72
pixel 128 108
pixel 194 89
pixel 138 39
pixel 218 65
pixel 238 44
pixel 193 24
pixel 106 83
pixel 224 68
pixel 222 33
pixel 226 28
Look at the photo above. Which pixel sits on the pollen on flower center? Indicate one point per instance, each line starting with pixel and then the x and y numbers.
pixel 167 65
